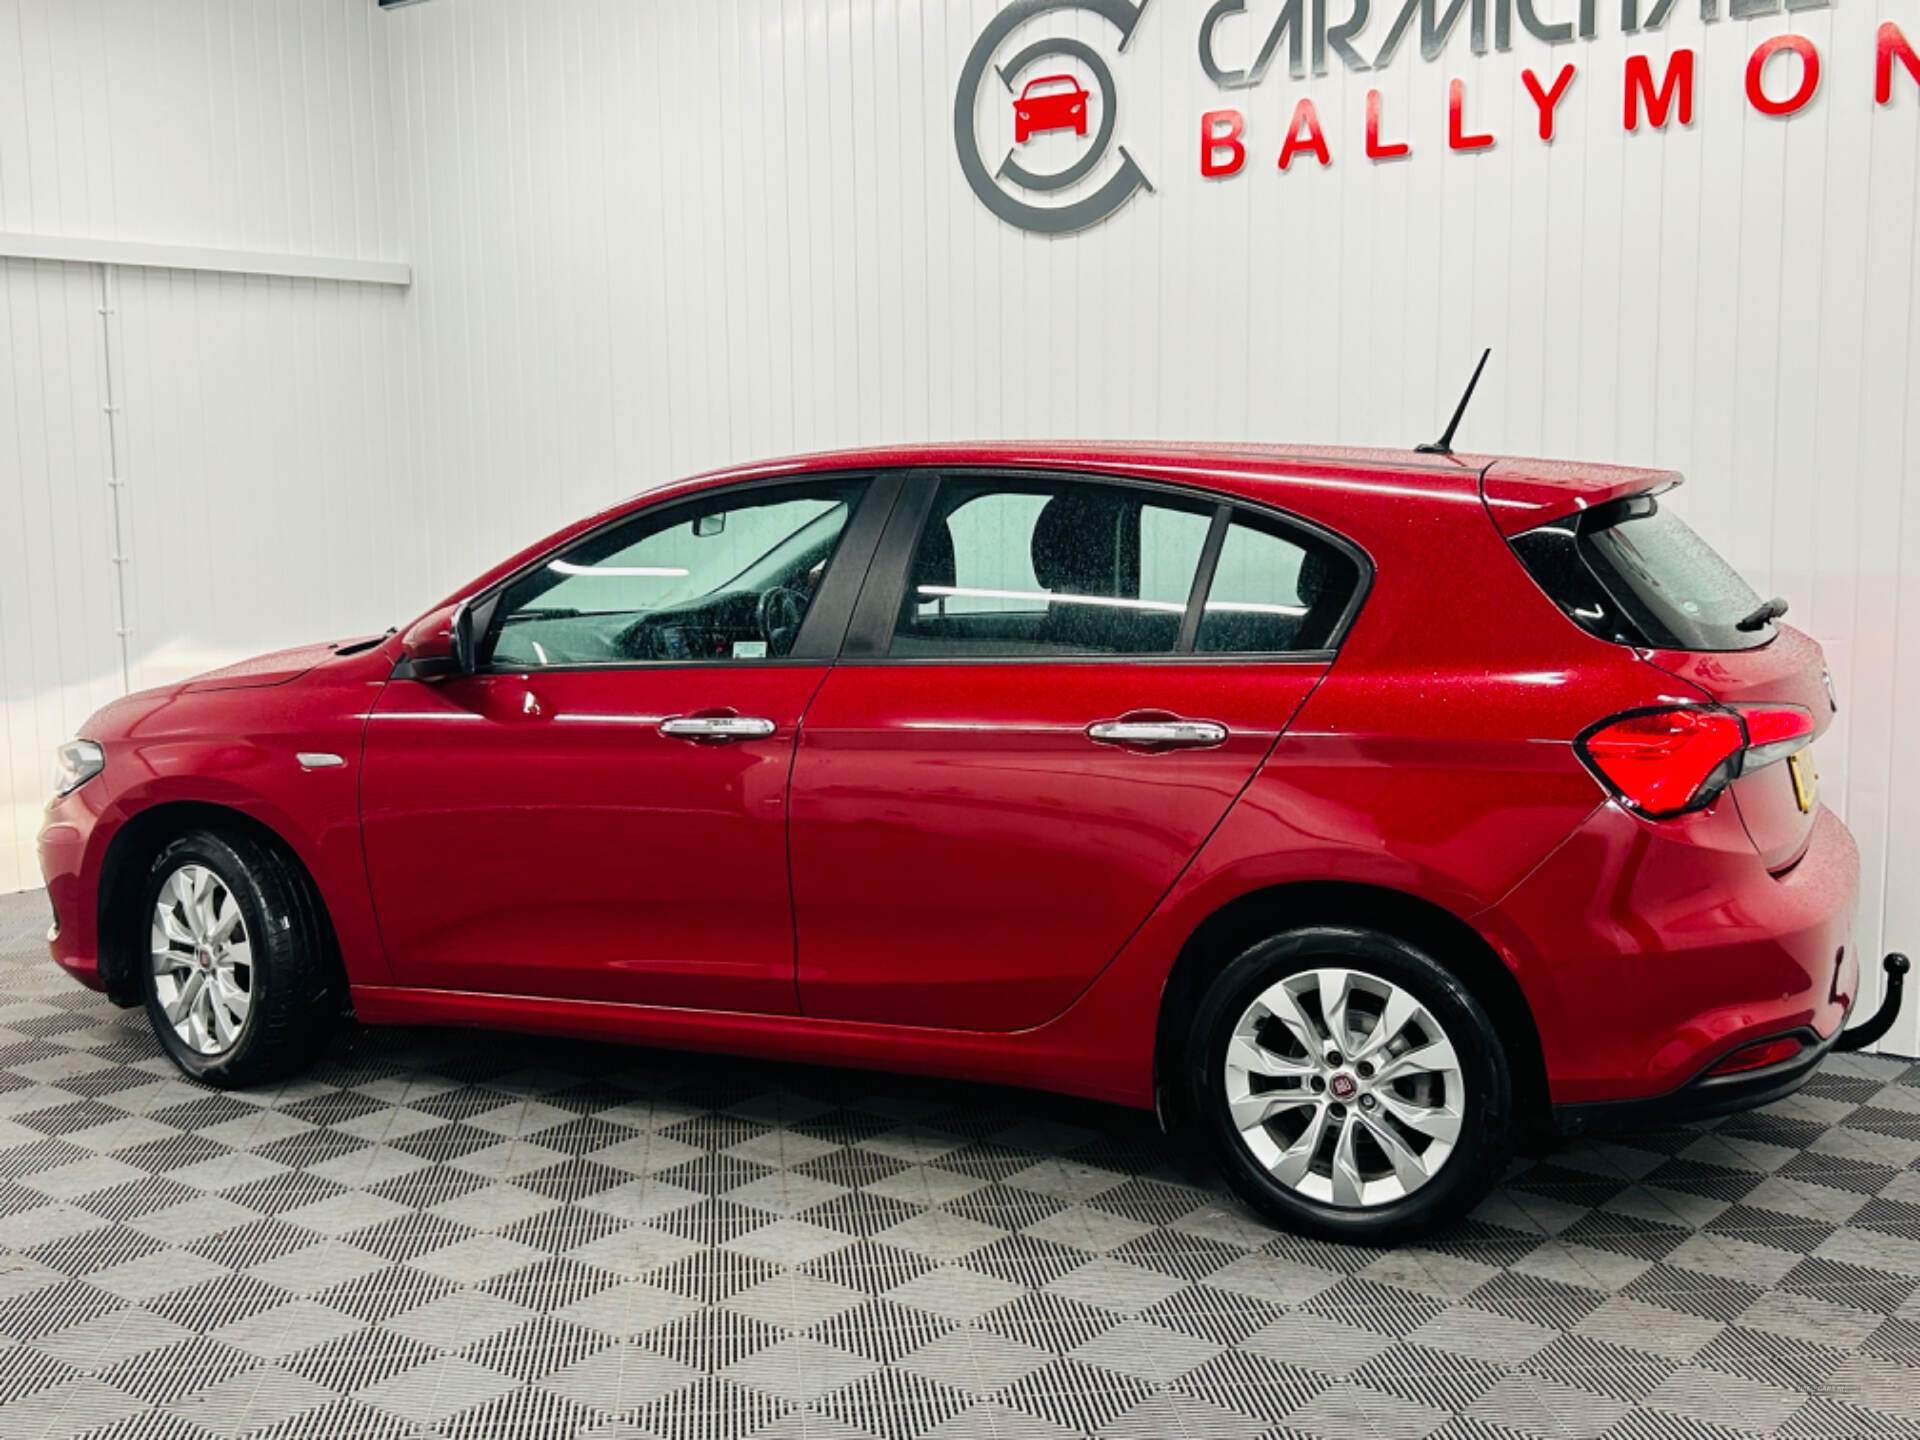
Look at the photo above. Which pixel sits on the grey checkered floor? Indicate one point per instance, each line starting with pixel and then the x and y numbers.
pixel 452 1235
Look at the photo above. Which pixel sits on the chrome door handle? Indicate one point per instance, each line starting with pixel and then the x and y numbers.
pixel 717 727
pixel 1158 732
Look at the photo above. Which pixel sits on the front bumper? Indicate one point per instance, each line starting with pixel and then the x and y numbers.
pixel 1649 952
pixel 70 863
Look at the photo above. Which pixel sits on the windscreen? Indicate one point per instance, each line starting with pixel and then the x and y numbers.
pixel 1675 586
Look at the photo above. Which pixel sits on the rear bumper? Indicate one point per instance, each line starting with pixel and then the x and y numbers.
pixel 1702 1098
pixel 1650 952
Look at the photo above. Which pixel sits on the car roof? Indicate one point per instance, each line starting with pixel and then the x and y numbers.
pixel 1521 492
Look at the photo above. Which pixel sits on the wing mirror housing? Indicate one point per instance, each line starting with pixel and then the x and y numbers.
pixel 445 642
pixel 465 647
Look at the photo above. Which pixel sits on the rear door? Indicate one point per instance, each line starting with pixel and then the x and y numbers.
pixel 1053 689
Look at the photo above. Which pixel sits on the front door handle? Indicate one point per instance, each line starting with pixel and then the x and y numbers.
pixel 717 727
pixel 1159 733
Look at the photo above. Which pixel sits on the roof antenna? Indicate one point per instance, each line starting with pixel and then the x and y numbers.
pixel 1444 445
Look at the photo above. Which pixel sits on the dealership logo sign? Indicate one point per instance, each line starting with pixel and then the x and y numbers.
pixel 1237 52
pixel 1021 196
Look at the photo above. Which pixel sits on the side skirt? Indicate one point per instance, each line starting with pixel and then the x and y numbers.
pixel 1043 1058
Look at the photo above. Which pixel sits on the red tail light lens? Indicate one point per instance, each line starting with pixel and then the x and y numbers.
pixel 1773 733
pixel 1667 762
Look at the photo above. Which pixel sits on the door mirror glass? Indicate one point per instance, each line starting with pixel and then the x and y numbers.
pixel 462 647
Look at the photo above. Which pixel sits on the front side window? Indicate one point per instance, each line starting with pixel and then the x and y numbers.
pixel 726 577
pixel 1019 567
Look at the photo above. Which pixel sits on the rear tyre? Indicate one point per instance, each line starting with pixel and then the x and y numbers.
pixel 1349 1086
pixel 238 976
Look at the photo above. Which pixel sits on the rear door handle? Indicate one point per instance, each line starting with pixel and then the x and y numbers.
pixel 717 727
pixel 1166 734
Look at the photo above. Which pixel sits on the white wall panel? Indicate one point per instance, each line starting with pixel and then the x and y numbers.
pixel 59 653
pixel 259 438
pixel 263 450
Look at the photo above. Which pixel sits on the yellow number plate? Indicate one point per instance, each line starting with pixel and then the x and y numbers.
pixel 1806 779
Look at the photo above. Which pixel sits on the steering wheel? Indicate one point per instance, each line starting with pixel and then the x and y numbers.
pixel 779 615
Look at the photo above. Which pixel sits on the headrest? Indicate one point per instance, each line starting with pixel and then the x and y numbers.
pixel 933 562
pixel 1316 574
pixel 1076 544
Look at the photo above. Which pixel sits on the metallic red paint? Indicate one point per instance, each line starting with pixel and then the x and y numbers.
pixel 538 835
pixel 964 805
pixel 977 889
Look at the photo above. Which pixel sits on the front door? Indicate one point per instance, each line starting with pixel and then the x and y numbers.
pixel 1050 697
pixel 601 812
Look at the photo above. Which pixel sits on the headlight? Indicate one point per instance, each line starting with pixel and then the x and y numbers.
pixel 76 762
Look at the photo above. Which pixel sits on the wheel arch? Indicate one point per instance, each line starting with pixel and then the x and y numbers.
pixel 130 854
pixel 1451 941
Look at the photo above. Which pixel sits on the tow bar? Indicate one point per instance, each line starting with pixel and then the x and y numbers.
pixel 1868 1031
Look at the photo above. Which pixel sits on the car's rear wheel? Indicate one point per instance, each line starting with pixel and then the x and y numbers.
pixel 237 976
pixel 1349 1085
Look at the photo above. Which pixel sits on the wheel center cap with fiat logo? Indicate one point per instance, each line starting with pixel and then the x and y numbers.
pixel 1343 1087
pixel 1051 101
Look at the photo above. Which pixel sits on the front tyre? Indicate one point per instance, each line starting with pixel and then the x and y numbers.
pixel 237 976
pixel 1349 1086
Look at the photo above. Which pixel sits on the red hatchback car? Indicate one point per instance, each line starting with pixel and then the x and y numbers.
pixel 1360 810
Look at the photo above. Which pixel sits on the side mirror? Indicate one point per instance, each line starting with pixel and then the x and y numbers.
pixel 443 643
pixel 465 653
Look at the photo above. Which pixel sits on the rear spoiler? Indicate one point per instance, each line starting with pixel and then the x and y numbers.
pixel 1524 494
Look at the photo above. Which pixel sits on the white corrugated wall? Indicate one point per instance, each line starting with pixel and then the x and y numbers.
pixel 258 437
pixel 654 235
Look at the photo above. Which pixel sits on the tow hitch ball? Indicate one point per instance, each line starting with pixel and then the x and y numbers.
pixel 1870 1030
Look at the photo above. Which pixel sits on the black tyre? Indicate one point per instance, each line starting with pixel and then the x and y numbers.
pixel 238 974
pixel 1349 1086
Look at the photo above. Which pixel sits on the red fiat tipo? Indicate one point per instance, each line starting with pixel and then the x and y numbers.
pixel 1359 809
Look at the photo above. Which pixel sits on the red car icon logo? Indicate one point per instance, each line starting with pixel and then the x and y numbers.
pixel 1044 106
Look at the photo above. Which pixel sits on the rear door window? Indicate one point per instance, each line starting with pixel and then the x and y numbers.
pixel 1274 592
pixel 1024 566
pixel 1020 567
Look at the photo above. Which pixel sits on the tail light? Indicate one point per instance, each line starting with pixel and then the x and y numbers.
pixel 1675 759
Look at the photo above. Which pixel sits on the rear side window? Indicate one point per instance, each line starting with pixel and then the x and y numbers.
pixel 1635 573
pixel 1032 567
pixel 1274 593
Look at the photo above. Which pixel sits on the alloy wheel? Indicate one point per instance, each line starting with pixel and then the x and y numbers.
pixel 1344 1087
pixel 202 960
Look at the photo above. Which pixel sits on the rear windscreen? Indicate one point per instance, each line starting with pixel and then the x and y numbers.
pixel 1634 572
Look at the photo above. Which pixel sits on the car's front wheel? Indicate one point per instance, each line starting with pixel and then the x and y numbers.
pixel 237 978
pixel 1349 1085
